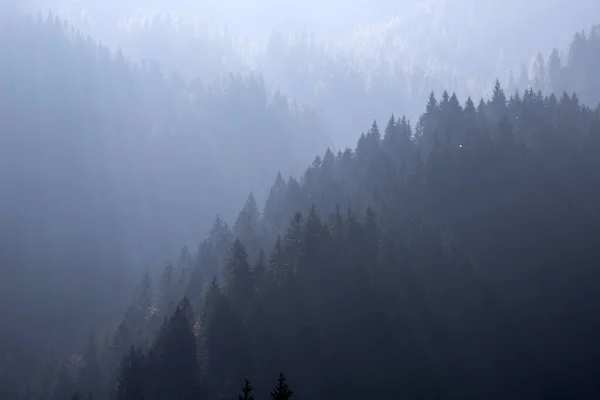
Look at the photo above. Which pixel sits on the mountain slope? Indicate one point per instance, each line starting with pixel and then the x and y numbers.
pixel 465 265
pixel 105 165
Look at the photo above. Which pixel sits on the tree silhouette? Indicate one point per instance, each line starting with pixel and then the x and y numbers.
pixel 281 391
pixel 246 391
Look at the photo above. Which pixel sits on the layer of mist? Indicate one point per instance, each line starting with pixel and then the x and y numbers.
pixel 361 141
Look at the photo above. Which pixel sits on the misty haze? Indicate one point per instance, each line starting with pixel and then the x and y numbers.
pixel 299 199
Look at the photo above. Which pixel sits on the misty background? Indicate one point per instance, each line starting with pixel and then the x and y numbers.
pixel 128 126
pixel 391 54
pixel 342 65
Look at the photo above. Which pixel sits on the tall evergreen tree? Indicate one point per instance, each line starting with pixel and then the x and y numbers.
pixel 173 363
pixel 241 284
pixel 281 391
pixel 246 391
pixel 246 227
pixel 132 380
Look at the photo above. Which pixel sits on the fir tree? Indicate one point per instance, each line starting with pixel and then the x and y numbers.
pixel 133 373
pixel 172 359
pixel 241 285
pixel 246 391
pixel 247 225
pixel 281 391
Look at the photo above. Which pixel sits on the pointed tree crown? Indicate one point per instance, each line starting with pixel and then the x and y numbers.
pixel 246 391
pixel 431 103
pixel 281 391
pixel 498 97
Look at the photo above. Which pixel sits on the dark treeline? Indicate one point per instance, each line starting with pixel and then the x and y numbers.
pixel 106 166
pixel 453 256
pixel 453 259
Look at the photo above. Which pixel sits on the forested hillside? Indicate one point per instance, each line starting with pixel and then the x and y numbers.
pixel 386 59
pixel 107 167
pixel 379 70
pixel 449 254
pixel 455 259
pixel 573 70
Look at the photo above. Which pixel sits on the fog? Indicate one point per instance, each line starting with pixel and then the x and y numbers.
pixel 134 132
pixel 394 53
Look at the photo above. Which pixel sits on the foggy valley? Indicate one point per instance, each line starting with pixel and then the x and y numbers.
pixel 216 200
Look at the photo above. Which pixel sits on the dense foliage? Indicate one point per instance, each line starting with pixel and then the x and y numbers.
pixel 574 71
pixel 385 67
pixel 453 256
pixel 453 260
pixel 106 166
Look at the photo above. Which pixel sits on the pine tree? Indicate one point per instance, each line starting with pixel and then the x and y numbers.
pixel 470 111
pixel 246 227
pixel 240 286
pixel 328 165
pixel 281 391
pixel 273 215
pixel 554 72
pixel 246 391
pixel 445 99
pixel 119 345
pixel 406 128
pixel 389 132
pixel 432 104
pixel 220 241
pixel 131 382
pixel 222 350
pixel 428 125
pixel 498 97
pixel 374 134
pixel 173 360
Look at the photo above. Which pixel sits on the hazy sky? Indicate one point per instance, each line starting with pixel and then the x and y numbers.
pixel 492 22
pixel 252 18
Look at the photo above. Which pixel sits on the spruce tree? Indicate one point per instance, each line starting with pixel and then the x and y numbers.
pixel 131 382
pixel 281 391
pixel 246 227
pixel 240 285
pixel 246 391
pixel 173 360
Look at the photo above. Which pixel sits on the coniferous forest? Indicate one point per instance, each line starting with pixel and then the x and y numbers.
pixel 450 256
